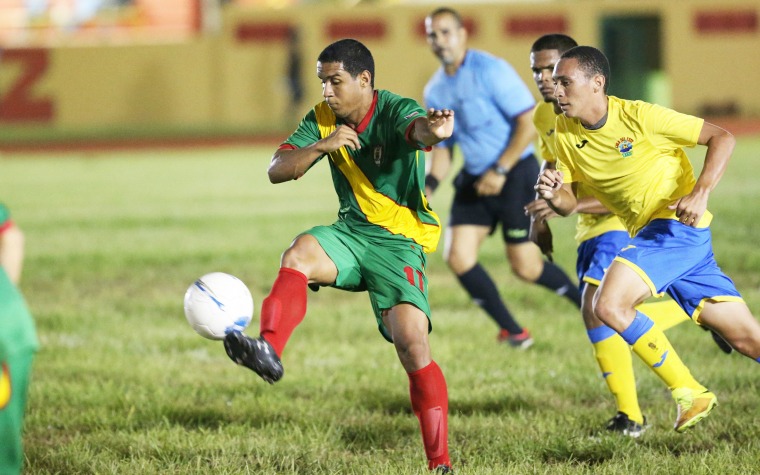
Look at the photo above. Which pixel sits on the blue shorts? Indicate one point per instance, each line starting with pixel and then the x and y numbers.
pixel 678 260
pixel 596 254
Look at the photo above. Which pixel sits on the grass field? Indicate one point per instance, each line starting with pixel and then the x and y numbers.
pixel 122 385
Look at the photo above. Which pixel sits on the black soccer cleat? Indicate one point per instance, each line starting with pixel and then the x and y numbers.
pixel 623 425
pixel 255 354
pixel 724 346
pixel 443 468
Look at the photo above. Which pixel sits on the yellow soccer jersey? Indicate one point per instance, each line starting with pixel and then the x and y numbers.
pixel 589 225
pixel 543 119
pixel 635 164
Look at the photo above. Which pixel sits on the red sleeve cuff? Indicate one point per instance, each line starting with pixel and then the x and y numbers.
pixel 6 225
pixel 287 146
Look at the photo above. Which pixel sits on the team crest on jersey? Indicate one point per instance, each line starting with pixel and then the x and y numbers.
pixel 377 155
pixel 625 146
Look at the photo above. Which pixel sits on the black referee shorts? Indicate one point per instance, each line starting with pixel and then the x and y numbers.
pixel 506 209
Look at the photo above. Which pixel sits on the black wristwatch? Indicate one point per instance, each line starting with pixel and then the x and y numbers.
pixel 499 169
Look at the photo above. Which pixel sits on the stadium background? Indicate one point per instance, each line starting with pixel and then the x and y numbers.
pixel 185 69
pixel 122 385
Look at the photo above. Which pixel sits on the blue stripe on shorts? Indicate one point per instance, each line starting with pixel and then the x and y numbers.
pixel 596 254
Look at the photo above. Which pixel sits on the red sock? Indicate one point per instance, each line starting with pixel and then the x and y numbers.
pixel 284 308
pixel 430 403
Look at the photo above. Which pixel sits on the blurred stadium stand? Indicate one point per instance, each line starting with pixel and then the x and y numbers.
pixel 95 71
pixel 50 22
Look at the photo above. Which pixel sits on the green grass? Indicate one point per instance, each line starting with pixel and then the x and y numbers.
pixel 122 385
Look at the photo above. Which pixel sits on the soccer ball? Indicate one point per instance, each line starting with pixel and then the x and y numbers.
pixel 217 304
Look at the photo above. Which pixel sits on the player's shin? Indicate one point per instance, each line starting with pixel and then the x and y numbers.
pixel 430 403
pixel 653 347
pixel 284 308
pixel 614 358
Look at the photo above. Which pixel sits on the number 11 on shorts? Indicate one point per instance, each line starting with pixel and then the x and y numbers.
pixel 410 276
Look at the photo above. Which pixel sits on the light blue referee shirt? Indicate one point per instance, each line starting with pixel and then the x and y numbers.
pixel 487 95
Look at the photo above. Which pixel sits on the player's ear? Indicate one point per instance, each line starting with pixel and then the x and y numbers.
pixel 365 78
pixel 599 81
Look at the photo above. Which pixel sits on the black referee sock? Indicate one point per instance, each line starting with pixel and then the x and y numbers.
pixel 555 279
pixel 482 289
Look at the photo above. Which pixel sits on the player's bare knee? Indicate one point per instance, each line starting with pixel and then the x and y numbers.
pixel 748 345
pixel 459 264
pixel 292 258
pixel 413 355
pixel 589 319
pixel 607 312
pixel 299 253
pixel 526 273
pixel 744 347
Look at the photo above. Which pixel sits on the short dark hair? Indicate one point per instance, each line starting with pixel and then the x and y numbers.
pixel 355 57
pixel 447 11
pixel 556 41
pixel 591 61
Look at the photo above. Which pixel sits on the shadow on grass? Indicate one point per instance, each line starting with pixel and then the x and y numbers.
pixel 588 456
pixel 396 404
pixel 214 418
pixel 509 404
pixel 363 435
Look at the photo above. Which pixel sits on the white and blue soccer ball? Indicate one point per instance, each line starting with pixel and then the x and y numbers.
pixel 217 304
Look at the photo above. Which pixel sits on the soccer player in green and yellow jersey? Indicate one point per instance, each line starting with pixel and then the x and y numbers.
pixel 373 141
pixel 629 155
pixel 18 343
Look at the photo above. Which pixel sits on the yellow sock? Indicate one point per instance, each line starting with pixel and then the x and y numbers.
pixel 654 348
pixel 614 358
pixel 665 313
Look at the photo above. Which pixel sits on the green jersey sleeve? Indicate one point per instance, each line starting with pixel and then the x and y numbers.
pixel 5 215
pixel 403 112
pixel 307 132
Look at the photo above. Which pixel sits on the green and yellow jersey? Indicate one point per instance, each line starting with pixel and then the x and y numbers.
pixel 5 217
pixel 18 342
pixel 380 186
pixel 588 225
pixel 17 331
pixel 635 164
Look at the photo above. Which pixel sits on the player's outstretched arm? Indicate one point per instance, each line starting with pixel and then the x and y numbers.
pixel 720 145
pixel 437 126
pixel 291 163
